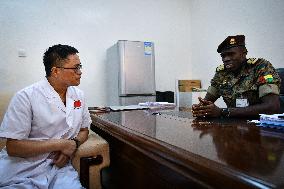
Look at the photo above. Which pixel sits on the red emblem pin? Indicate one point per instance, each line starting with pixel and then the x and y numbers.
pixel 77 104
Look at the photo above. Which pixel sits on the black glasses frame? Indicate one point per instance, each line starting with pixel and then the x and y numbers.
pixel 76 69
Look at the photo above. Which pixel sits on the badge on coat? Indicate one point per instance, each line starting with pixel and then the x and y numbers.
pixel 242 102
pixel 77 104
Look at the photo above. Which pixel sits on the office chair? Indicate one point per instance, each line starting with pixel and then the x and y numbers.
pixel 280 71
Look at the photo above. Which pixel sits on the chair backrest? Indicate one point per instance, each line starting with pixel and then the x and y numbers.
pixel 280 71
pixel 2 143
pixel 4 102
pixel 281 103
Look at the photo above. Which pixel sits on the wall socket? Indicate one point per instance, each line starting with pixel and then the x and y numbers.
pixel 22 53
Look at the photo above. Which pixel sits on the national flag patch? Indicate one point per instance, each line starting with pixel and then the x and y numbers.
pixel 268 78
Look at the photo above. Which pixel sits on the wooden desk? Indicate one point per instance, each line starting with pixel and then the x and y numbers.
pixel 174 150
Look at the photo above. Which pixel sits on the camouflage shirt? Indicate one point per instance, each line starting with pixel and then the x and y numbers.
pixel 257 78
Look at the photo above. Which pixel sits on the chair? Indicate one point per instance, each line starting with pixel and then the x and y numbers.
pixel 280 71
pixel 89 159
pixel 281 103
pixel 4 102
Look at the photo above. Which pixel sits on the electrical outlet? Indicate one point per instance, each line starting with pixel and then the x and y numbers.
pixel 22 53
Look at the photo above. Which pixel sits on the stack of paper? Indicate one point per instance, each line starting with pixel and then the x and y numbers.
pixel 129 107
pixel 157 104
pixel 272 120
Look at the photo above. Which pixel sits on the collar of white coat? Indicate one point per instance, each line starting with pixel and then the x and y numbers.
pixel 52 95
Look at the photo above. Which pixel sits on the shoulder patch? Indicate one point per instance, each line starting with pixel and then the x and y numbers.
pixel 220 68
pixel 252 60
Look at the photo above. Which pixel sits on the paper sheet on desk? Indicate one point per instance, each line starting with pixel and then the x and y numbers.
pixel 129 107
pixel 149 104
pixel 274 119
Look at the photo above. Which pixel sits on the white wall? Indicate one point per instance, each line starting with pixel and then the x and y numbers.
pixel 186 34
pixel 211 21
pixel 91 26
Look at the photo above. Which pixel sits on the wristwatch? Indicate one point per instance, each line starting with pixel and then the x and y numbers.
pixel 77 142
pixel 225 112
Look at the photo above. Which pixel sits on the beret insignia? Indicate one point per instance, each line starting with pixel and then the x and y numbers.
pixel 220 68
pixel 252 60
pixel 232 41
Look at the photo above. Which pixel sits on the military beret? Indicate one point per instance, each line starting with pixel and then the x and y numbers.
pixel 231 41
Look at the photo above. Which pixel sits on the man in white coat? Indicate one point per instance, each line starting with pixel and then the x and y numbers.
pixel 44 125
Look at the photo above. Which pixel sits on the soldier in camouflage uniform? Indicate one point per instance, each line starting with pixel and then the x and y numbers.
pixel 248 86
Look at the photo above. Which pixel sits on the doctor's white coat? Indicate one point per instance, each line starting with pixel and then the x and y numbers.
pixel 37 113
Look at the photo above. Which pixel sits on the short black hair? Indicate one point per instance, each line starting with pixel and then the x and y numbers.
pixel 54 55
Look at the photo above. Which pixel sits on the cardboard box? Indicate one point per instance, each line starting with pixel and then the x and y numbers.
pixel 187 85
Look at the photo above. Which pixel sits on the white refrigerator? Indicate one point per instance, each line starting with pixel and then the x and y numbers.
pixel 130 73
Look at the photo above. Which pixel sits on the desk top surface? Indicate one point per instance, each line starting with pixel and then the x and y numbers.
pixel 233 143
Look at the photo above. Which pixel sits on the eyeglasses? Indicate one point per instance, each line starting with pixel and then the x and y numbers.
pixel 77 69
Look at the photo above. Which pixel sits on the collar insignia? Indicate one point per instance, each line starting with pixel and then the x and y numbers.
pixel 252 60
pixel 220 68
